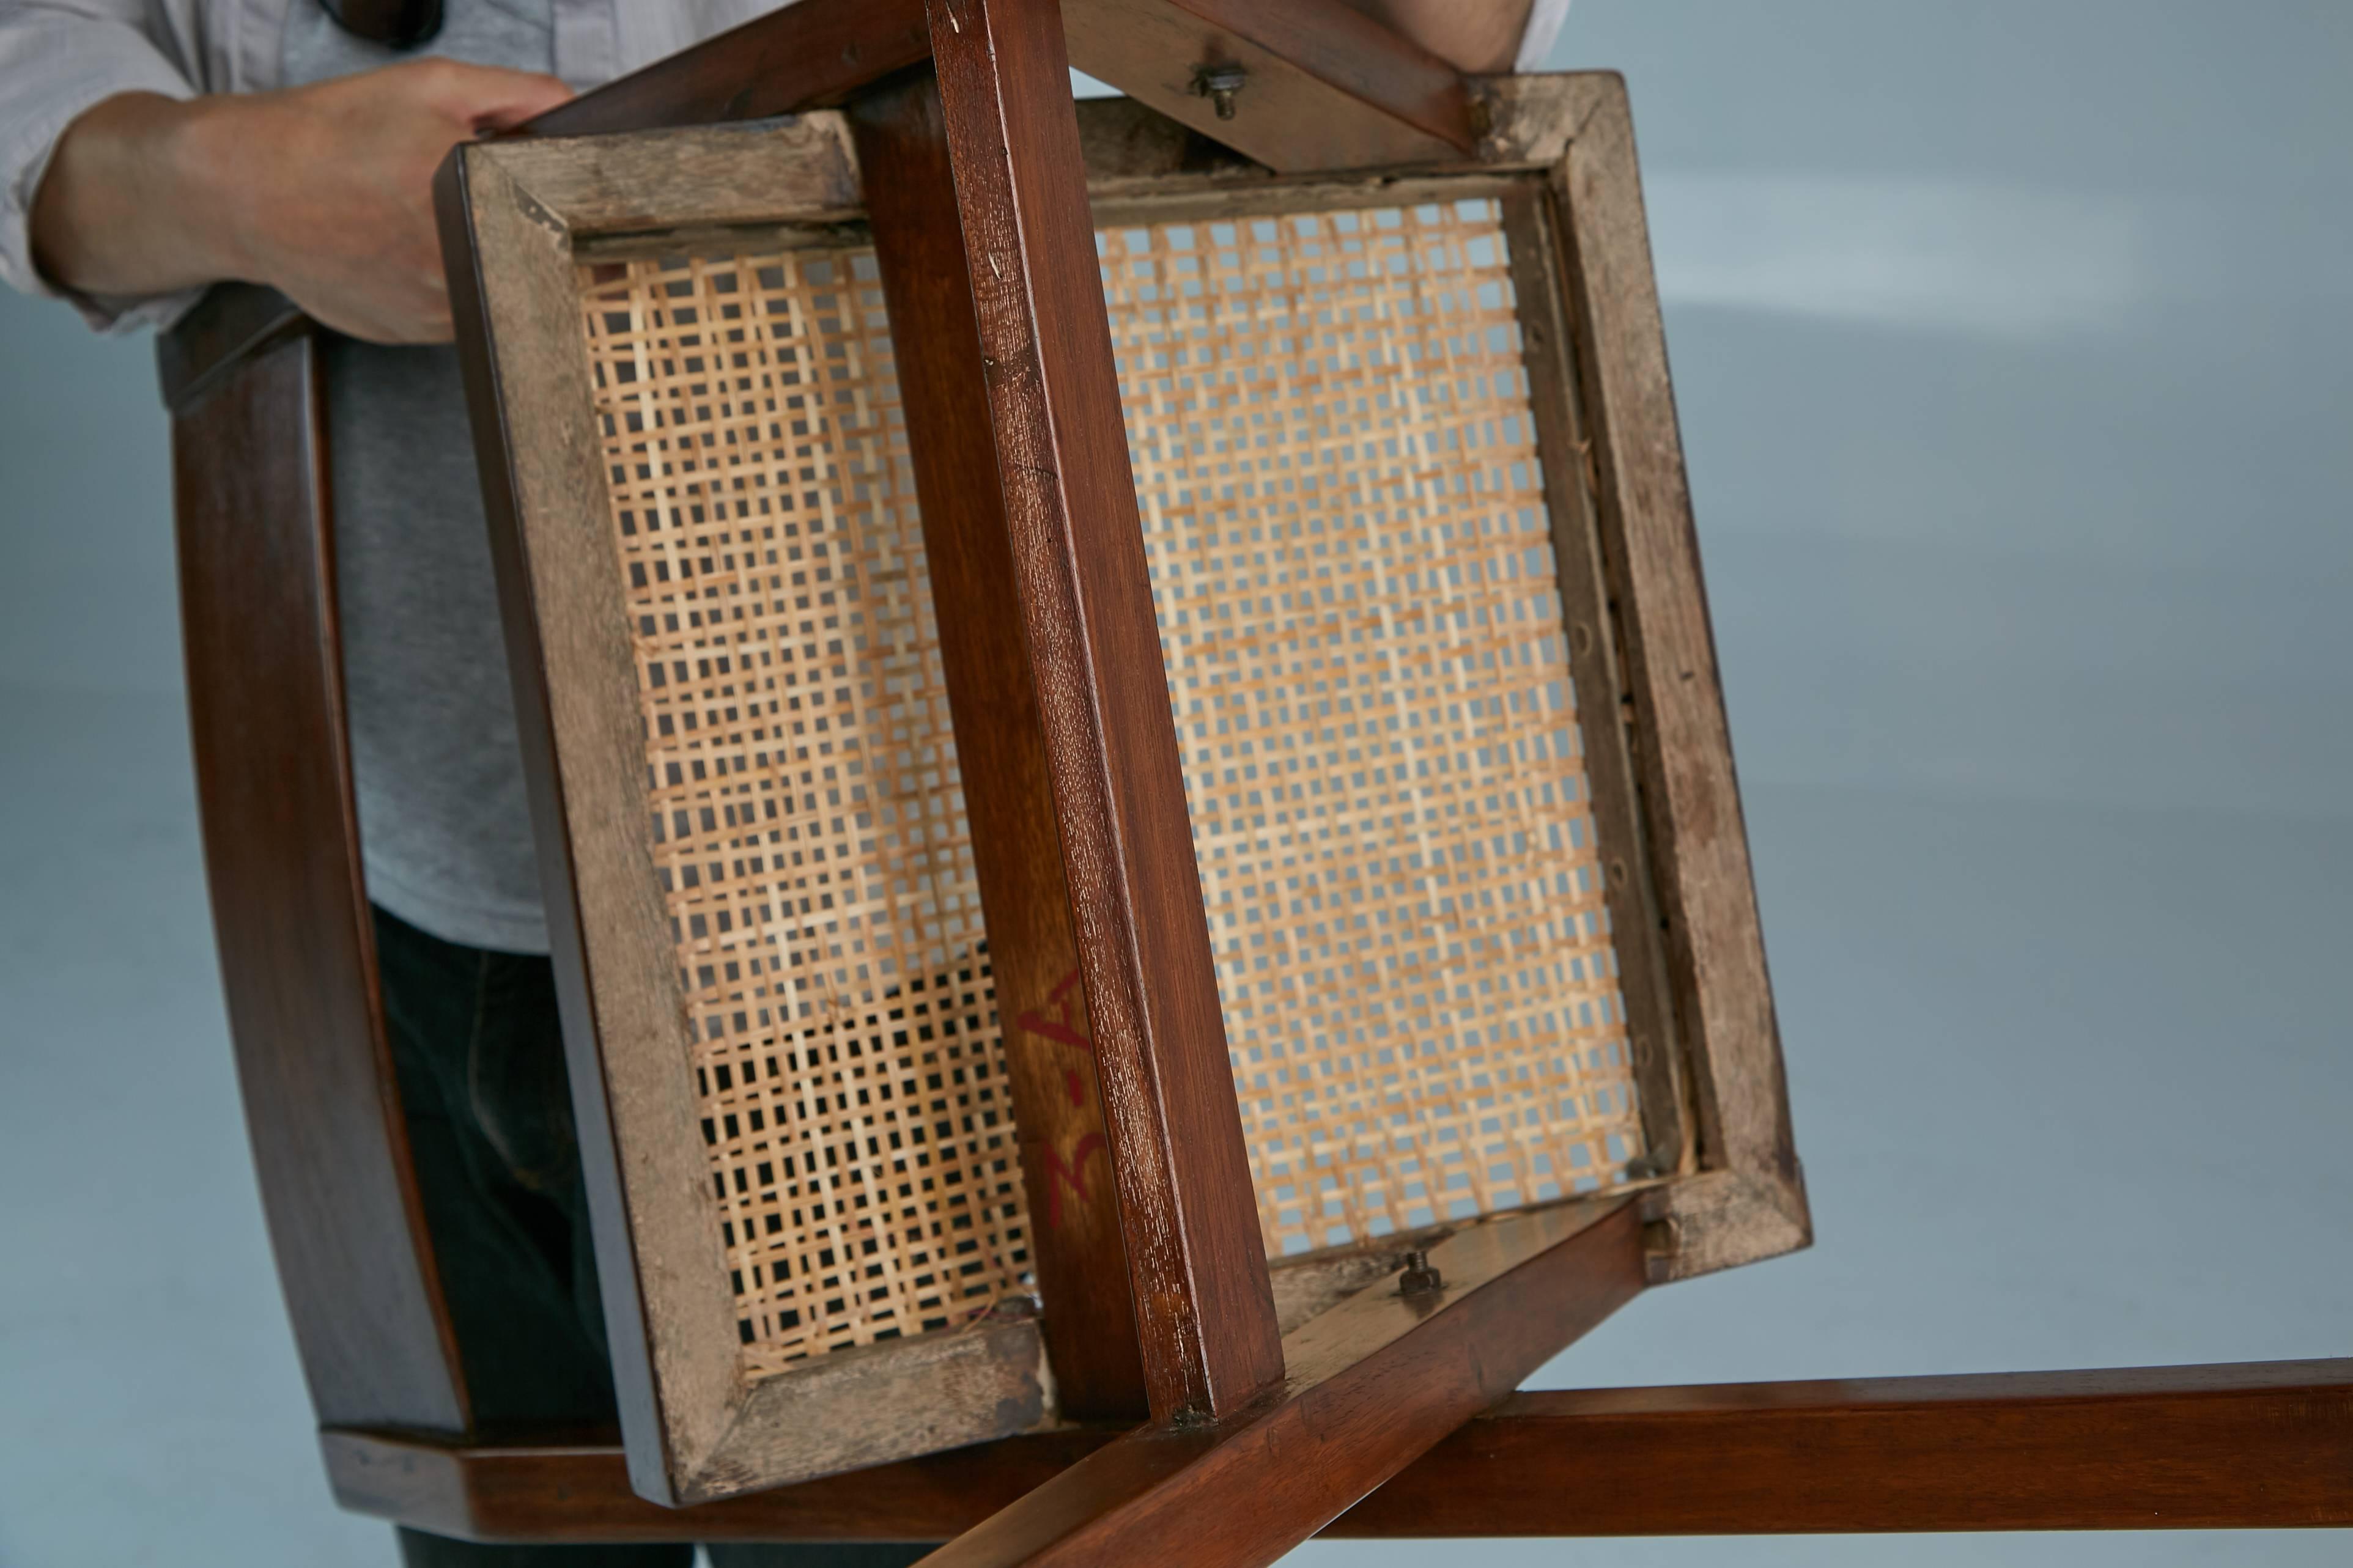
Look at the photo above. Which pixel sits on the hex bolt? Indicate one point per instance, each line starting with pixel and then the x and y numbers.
pixel 1218 84
pixel 1419 1278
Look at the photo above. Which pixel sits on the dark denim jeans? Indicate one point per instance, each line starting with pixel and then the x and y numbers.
pixel 480 1055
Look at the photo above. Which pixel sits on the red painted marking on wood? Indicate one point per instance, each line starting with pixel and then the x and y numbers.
pixel 1069 1022
pixel 1072 1175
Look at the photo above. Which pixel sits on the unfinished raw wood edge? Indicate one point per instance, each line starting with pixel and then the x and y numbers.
pixel 1588 625
pixel 868 1405
pixel 1715 1220
pixel 1373 1385
pixel 673 1346
pixel 1530 117
pixel 1323 85
pixel 1204 1309
pixel 1683 744
pixel 710 176
pixel 696 1429
pixel 644 192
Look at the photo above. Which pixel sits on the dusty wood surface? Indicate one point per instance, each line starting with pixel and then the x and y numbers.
pixel 1089 1325
pixel 696 1430
pixel 1595 662
pixel 1204 1312
pixel 289 912
pixel 1682 746
pixel 710 176
pixel 663 1273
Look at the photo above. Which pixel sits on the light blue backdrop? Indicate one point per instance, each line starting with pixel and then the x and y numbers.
pixel 2015 346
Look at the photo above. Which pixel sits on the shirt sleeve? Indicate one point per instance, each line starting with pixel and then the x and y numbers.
pixel 59 58
pixel 1544 17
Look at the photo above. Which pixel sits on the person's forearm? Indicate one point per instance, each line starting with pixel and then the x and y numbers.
pixel 133 201
pixel 322 192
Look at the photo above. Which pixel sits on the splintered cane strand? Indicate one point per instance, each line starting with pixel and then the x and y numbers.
pixel 1344 516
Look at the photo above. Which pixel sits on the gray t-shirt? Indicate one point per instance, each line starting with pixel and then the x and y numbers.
pixel 444 825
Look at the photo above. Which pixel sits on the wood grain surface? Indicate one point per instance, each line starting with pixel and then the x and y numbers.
pixel 1754 1203
pixel 1205 1312
pixel 1373 1385
pixel 1595 655
pixel 282 861
pixel 1324 85
pixel 2253 1445
pixel 697 1428
pixel 2245 1446
pixel 807 55
pixel 1089 1324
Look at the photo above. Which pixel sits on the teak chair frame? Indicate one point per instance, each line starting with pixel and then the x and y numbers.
pixel 985 171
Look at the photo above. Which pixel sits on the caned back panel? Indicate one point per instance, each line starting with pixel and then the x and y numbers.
pixel 807 823
pixel 1344 514
pixel 1344 517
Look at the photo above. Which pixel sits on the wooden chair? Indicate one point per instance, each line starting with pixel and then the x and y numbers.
pixel 1154 1180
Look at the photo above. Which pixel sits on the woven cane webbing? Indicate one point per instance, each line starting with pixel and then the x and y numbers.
pixel 809 824
pixel 1344 512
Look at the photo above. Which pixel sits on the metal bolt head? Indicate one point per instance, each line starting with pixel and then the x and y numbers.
pixel 1218 84
pixel 1420 1279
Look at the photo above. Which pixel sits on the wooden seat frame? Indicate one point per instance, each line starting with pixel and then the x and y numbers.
pixel 1249 1442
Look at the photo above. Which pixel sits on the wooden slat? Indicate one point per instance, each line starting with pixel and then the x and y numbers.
pixel 1325 86
pixel 662 1270
pixel 698 1428
pixel 2257 1446
pixel 2249 1447
pixel 282 860
pixel 567 1488
pixel 807 55
pixel 232 324
pixel 1206 1314
pixel 1090 1327
pixel 676 181
pixel 1751 1202
pixel 1373 1385
pixel 1546 339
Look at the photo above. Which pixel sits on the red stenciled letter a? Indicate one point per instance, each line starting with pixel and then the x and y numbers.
pixel 1068 1021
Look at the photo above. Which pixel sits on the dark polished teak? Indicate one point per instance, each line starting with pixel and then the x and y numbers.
pixel 838 378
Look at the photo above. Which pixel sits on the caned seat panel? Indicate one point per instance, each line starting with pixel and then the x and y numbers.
pixel 809 831
pixel 1344 517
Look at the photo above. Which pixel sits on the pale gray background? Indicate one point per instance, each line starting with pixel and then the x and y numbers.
pixel 2012 344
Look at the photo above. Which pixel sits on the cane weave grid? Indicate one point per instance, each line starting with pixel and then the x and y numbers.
pixel 1344 516
pixel 808 826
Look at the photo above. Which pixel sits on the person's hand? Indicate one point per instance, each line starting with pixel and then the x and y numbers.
pixel 329 189
pixel 322 192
